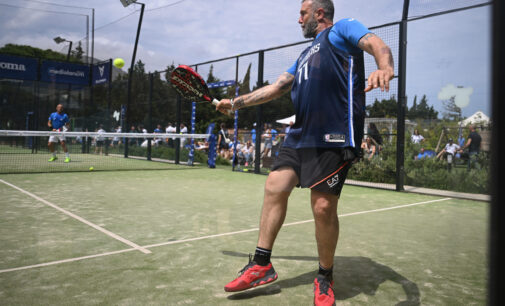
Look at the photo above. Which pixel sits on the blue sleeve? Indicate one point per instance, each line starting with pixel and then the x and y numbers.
pixel 346 33
pixel 65 119
pixel 50 117
pixel 292 69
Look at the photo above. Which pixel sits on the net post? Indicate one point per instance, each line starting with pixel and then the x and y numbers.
pixel 191 155
pixel 259 114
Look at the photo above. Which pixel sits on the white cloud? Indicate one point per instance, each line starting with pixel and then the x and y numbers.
pixel 461 94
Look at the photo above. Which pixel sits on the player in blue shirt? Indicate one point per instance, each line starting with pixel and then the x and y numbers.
pixel 328 88
pixel 58 122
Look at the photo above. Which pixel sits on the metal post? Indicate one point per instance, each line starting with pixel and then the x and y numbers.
pixel 109 97
pixel 496 230
pixel 69 49
pixel 93 36
pixel 130 75
pixel 87 39
pixel 259 114
pixel 69 85
pixel 150 114
pixel 234 161
pixel 108 124
pixel 402 100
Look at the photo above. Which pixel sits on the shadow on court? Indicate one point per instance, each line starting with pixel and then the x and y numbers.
pixel 352 276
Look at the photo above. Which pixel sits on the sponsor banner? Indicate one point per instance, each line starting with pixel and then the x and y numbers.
pixel 15 67
pixel 221 84
pixel 59 72
pixel 101 73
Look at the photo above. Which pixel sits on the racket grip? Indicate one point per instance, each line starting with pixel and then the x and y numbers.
pixel 215 102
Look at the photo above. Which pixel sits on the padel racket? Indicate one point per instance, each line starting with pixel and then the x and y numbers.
pixel 190 85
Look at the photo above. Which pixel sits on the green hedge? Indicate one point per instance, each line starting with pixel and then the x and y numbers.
pixel 428 173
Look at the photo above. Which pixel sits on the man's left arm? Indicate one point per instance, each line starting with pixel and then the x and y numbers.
pixel 67 122
pixel 373 45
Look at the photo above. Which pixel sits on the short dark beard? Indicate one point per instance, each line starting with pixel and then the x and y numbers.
pixel 310 28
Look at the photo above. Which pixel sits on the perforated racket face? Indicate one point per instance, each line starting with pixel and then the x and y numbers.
pixel 189 84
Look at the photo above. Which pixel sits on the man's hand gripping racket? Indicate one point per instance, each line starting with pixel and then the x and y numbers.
pixel 190 85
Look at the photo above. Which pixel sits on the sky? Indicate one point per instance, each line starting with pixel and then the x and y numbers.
pixel 444 50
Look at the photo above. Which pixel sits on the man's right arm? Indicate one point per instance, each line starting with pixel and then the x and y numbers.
pixel 259 96
pixel 467 144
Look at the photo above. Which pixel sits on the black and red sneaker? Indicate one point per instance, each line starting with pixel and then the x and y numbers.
pixel 252 275
pixel 323 291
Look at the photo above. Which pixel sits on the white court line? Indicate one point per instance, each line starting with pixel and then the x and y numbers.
pixel 66 212
pixel 210 236
pixel 200 238
pixel 67 260
pixel 373 210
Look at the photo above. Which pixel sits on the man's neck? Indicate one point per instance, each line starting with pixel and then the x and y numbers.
pixel 323 26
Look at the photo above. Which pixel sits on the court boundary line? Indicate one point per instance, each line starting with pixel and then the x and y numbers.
pixel 210 236
pixel 78 218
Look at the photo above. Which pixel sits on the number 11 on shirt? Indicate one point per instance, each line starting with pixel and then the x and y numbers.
pixel 303 70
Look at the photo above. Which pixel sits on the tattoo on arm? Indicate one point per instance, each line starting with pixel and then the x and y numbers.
pixel 386 50
pixel 362 42
pixel 284 82
pixel 265 94
pixel 238 103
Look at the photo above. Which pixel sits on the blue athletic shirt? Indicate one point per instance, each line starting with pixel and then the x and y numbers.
pixel 327 91
pixel 57 120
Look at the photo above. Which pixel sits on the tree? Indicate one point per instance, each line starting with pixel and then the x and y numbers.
pixel 452 111
pixel 244 86
pixel 24 50
pixel 383 109
pixel 78 52
pixel 421 110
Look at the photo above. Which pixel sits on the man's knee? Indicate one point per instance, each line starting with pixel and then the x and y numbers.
pixel 325 208
pixel 280 182
pixel 274 188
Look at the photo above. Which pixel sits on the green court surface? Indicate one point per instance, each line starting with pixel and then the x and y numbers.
pixel 177 236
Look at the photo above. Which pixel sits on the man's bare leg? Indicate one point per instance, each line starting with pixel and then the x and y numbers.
pixel 260 271
pixel 324 208
pixel 51 146
pixel 64 146
pixel 278 187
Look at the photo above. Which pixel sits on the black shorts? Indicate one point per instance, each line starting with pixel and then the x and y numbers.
pixel 321 169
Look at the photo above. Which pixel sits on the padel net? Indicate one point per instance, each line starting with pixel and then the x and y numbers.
pixel 29 151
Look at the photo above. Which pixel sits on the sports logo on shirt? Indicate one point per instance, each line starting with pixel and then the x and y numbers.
pixel 334 137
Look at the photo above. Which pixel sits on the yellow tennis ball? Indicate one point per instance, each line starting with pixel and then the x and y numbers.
pixel 118 62
pixel 91 168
